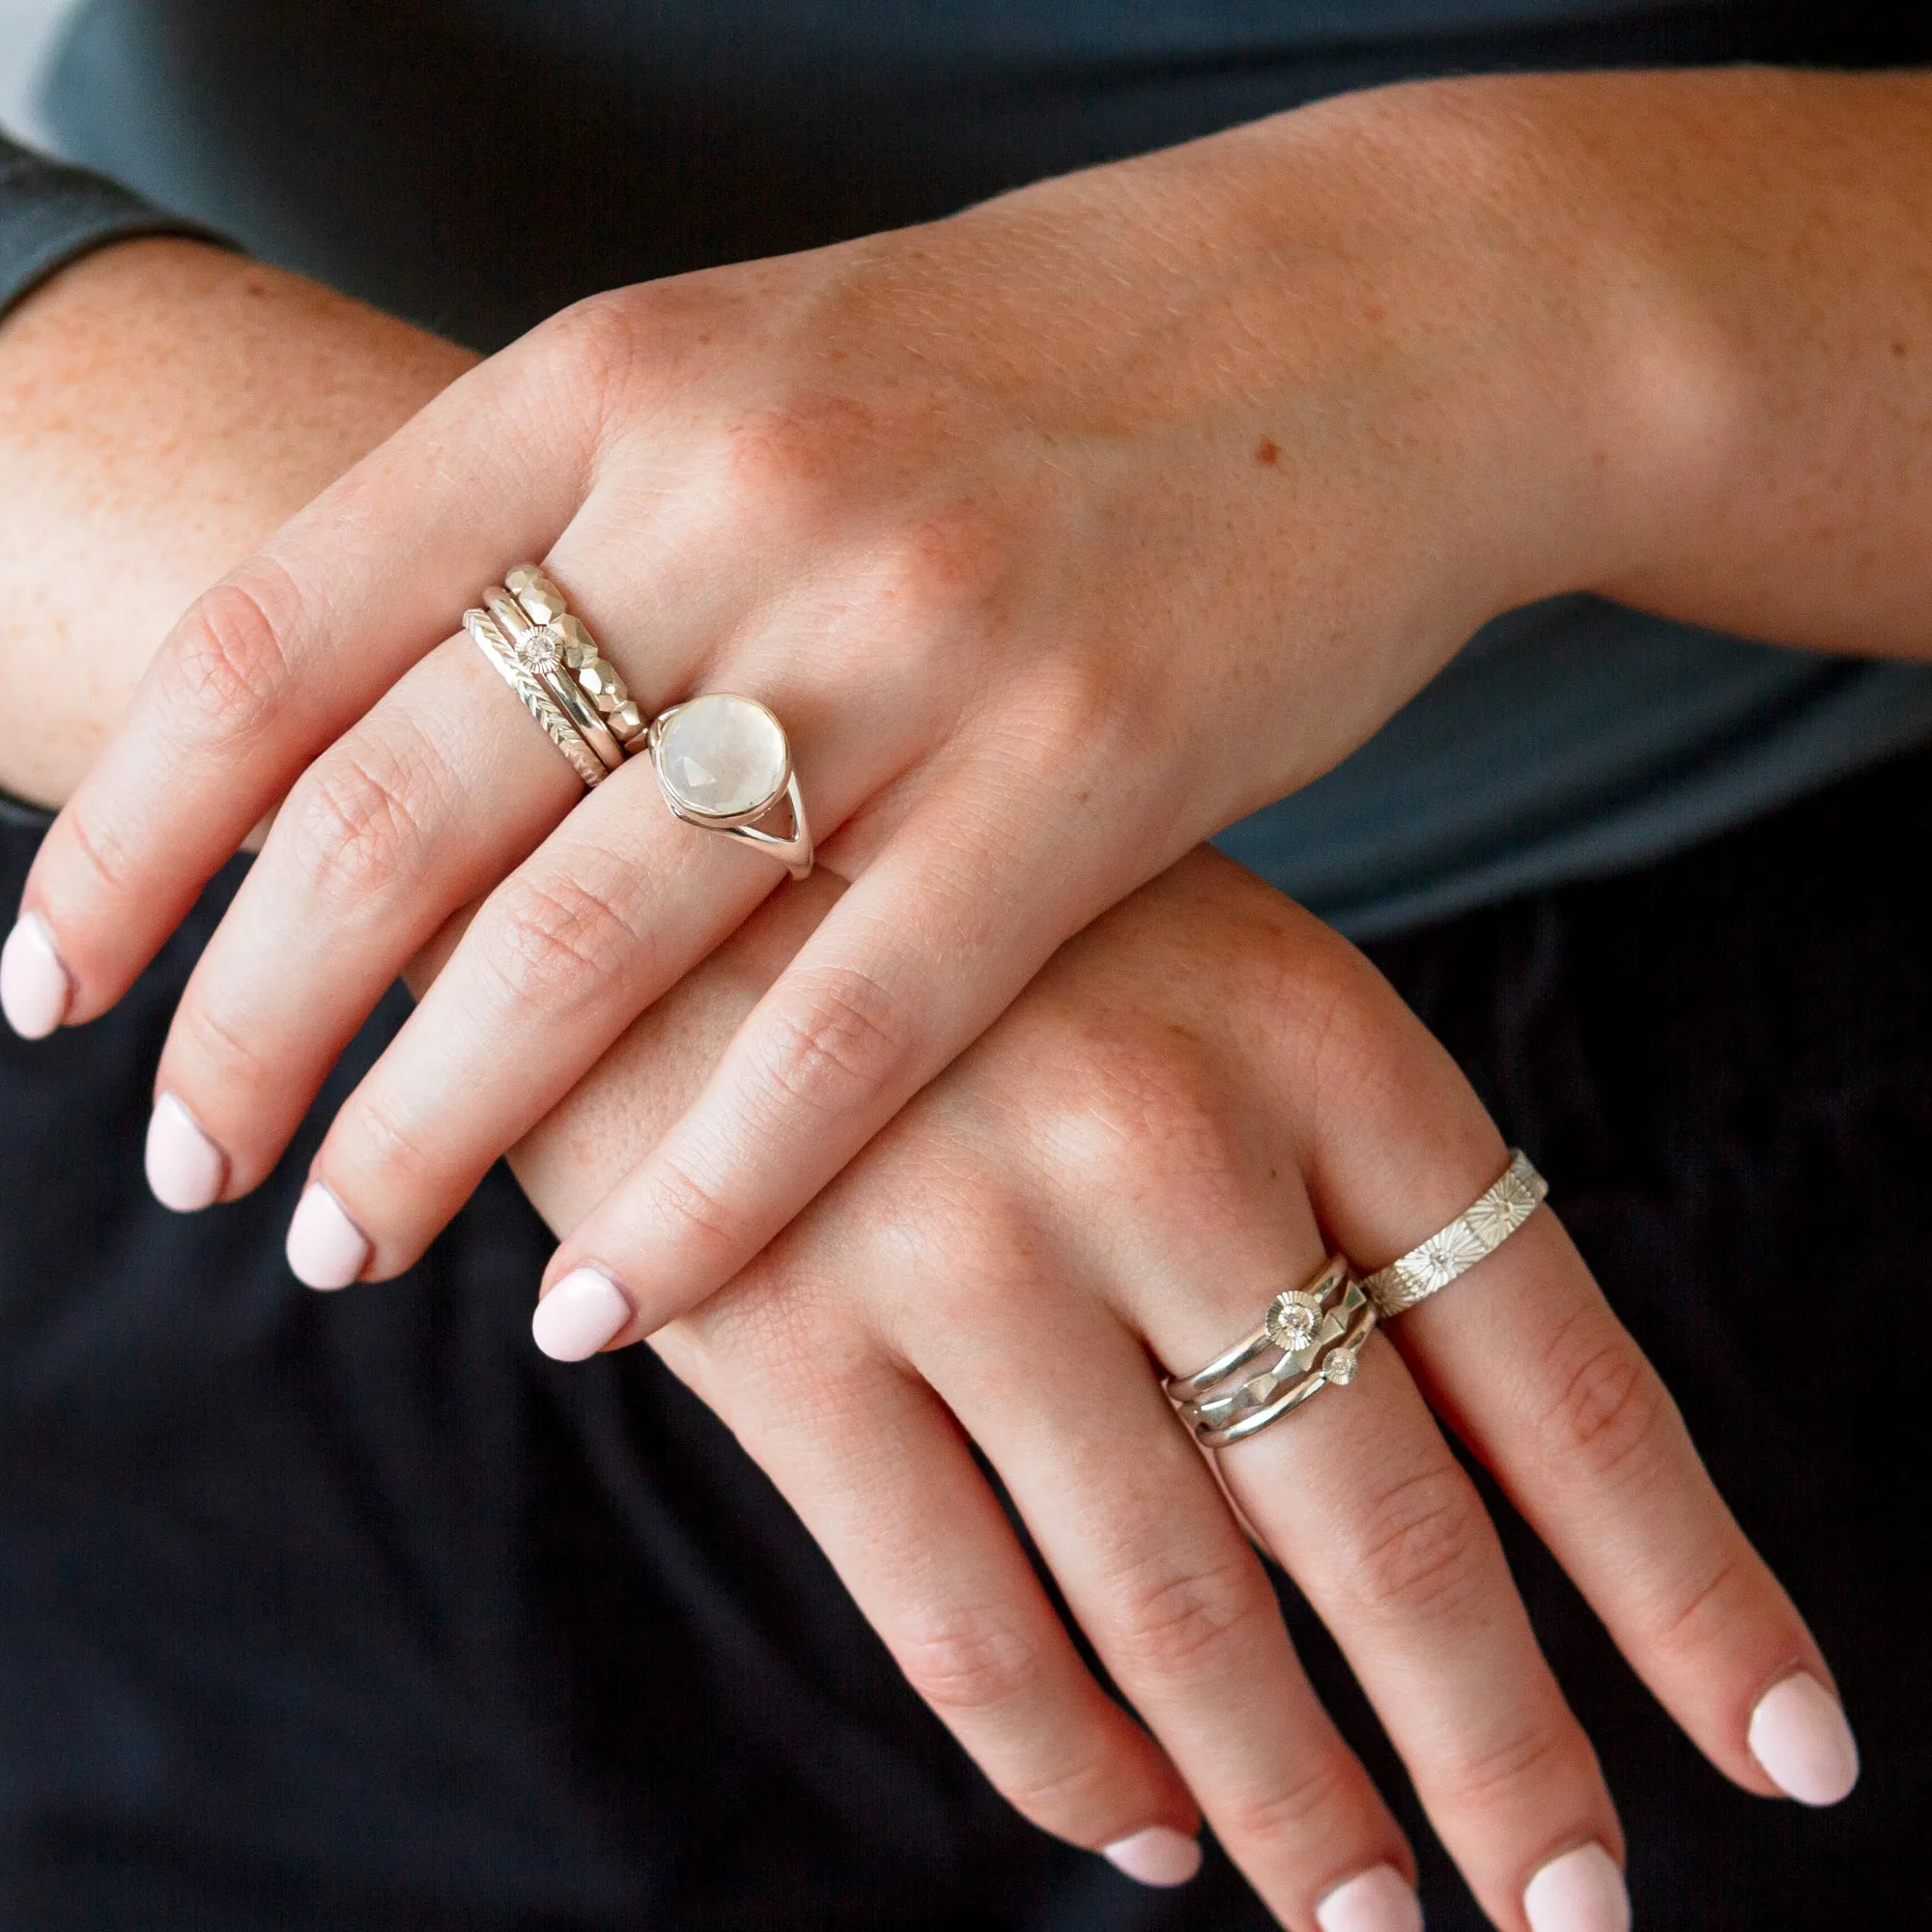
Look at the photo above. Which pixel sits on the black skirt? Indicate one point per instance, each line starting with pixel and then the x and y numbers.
pixel 352 1611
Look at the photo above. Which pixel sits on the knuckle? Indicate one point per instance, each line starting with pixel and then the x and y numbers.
pixel 1421 1548
pixel 1183 1622
pixel 969 1665
pixel 593 349
pixel 1312 1791
pixel 361 822
pixel 836 1038
pixel 221 1054
pixel 557 941
pixel 385 1143
pixel 1492 1776
pixel 703 1219
pixel 793 460
pixel 1610 1413
pixel 947 564
pixel 1135 1102
pixel 227 664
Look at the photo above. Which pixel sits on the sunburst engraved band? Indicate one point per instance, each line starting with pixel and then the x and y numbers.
pixel 1474 1235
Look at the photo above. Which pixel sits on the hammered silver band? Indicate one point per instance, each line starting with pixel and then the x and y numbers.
pixel 1474 1235
pixel 1315 1333
pixel 488 636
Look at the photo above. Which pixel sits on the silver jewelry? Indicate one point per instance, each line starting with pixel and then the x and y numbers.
pixel 1317 1334
pixel 488 636
pixel 541 651
pixel 723 763
pixel 1475 1233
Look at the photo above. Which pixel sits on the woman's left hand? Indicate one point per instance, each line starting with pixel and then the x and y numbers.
pixel 1196 1099
pixel 1058 535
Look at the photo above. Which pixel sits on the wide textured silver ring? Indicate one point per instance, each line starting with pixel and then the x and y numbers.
pixel 1315 1334
pixel 1474 1235
pixel 724 764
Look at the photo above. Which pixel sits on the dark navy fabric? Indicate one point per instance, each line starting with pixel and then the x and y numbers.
pixel 51 213
pixel 351 1611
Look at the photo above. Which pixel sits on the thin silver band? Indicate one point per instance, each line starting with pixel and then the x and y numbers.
pixel 488 636
pixel 1316 1332
pixel 515 622
pixel 1474 1235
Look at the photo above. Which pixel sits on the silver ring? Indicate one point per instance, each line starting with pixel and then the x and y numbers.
pixel 1315 1333
pixel 723 763
pixel 1474 1235
pixel 488 636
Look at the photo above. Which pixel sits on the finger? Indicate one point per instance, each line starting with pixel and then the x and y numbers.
pixel 879 1474
pixel 379 843
pixel 915 961
pixel 1127 1516
pixel 619 904
pixel 1354 1492
pixel 286 653
pixel 1526 1360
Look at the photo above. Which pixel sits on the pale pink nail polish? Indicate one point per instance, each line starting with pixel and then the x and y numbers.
pixel 1582 1891
pixel 1157 1855
pixel 582 1311
pixel 325 1248
pixel 1799 1734
pixel 1377 1900
pixel 186 1169
pixel 35 991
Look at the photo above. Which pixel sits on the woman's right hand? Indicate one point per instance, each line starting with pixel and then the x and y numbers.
pixel 1199 1098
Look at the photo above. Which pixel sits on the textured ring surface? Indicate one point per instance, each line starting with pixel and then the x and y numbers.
pixel 488 636
pixel 1474 1234
pixel 1316 1332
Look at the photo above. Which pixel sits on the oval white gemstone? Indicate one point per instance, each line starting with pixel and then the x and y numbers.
pixel 723 755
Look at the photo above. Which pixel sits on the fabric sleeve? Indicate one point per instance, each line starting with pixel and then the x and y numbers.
pixel 51 213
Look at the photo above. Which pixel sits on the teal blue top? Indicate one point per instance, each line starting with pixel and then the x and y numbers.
pixel 476 163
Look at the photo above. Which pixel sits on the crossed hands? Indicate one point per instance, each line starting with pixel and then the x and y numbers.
pixel 937 1150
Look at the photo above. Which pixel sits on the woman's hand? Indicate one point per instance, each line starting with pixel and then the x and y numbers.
pixel 1194 1101
pixel 1058 533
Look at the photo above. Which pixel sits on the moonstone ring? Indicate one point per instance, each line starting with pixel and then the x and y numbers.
pixel 722 764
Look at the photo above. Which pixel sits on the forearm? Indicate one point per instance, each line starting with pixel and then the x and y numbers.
pixel 163 406
pixel 1746 258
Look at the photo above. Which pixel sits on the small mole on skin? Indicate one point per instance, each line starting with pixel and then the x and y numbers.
pixel 1268 451
pixel 1898 348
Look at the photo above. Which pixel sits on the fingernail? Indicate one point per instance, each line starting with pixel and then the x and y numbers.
pixel 1799 1734
pixel 1157 1855
pixel 1377 1900
pixel 325 1248
pixel 33 987
pixel 582 1311
pixel 1580 1892
pixel 186 1169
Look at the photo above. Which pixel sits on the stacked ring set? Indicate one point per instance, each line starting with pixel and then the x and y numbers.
pixel 1316 1332
pixel 722 762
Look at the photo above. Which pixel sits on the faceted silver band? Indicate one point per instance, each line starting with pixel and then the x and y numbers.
pixel 546 667
pixel 1317 1334
pixel 488 636
pixel 1474 1235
